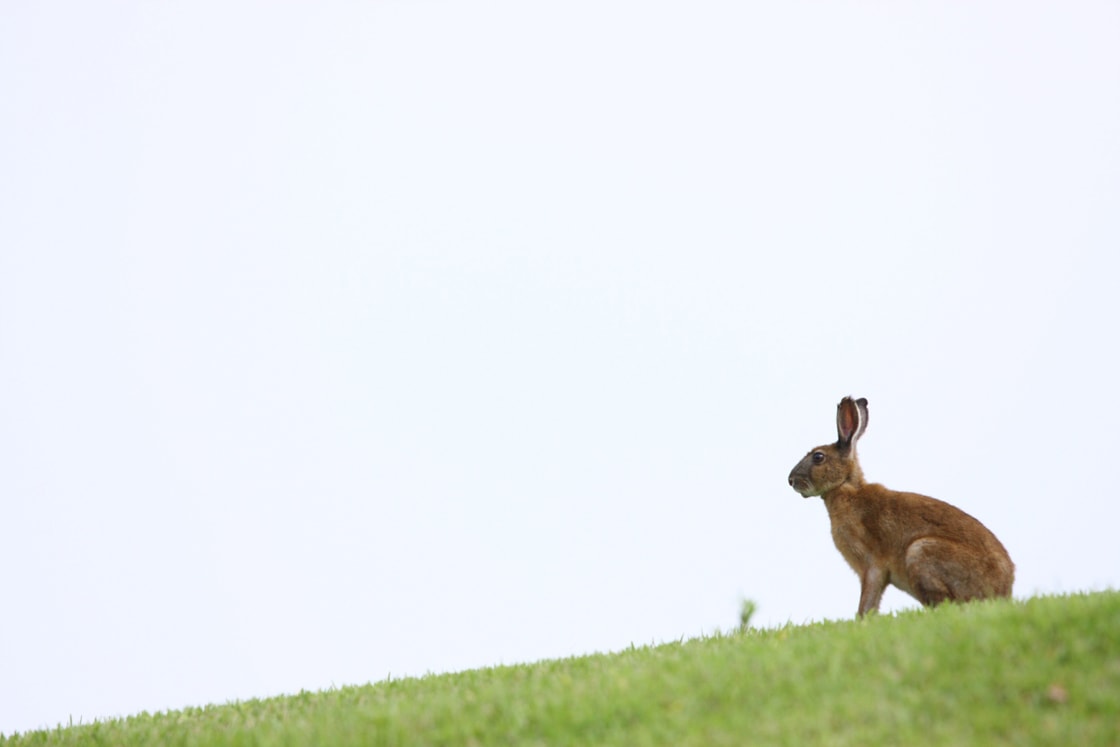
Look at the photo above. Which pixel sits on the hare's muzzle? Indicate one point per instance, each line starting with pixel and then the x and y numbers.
pixel 800 483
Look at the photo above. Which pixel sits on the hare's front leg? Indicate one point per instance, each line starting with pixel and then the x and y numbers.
pixel 872 583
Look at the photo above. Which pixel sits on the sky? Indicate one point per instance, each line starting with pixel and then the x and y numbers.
pixel 343 340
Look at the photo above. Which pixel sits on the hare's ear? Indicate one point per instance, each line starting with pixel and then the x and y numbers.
pixel 861 405
pixel 851 420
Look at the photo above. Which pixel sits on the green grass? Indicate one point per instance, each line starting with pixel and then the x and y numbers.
pixel 1041 671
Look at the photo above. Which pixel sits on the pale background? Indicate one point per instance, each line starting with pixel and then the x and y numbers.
pixel 348 339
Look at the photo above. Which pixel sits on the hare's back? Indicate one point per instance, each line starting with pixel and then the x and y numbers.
pixel 921 516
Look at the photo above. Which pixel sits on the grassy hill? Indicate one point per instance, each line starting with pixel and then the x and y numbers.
pixel 1041 671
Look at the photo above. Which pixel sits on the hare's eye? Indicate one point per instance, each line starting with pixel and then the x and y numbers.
pixel 818 457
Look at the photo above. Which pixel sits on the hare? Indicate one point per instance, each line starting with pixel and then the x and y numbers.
pixel 931 550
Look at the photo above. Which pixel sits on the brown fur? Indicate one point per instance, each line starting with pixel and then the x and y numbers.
pixel 931 550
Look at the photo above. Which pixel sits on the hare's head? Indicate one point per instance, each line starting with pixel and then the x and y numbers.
pixel 830 466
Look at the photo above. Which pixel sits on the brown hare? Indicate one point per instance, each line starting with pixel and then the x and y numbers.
pixel 929 549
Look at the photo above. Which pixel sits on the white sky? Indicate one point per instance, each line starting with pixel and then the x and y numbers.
pixel 344 339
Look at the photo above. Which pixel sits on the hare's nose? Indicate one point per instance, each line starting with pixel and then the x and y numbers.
pixel 791 480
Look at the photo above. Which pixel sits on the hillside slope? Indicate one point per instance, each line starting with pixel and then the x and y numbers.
pixel 1040 671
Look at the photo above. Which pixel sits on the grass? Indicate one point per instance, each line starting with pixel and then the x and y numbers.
pixel 1041 671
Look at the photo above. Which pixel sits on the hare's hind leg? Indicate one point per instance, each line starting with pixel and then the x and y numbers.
pixel 935 571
